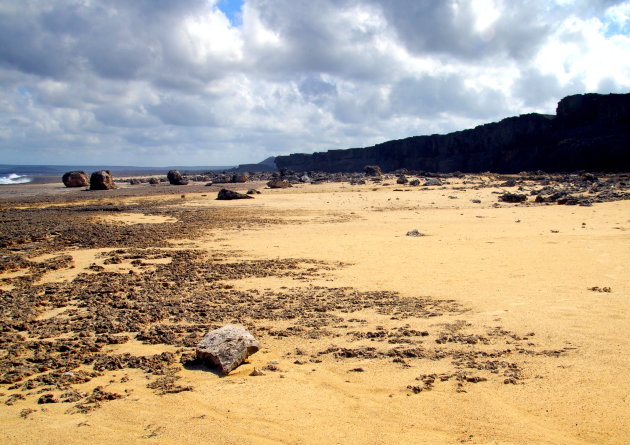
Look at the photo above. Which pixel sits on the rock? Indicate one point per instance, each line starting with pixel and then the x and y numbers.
pixel 226 195
pixel 305 179
pixel 372 170
pixel 75 179
pixel 278 184
pixel 240 177
pixel 175 178
pixel 513 197
pixel 402 179
pixel 253 192
pixel 154 181
pixel 432 182
pixel 102 180
pixel 134 182
pixel 415 232
pixel 227 347
pixel 414 182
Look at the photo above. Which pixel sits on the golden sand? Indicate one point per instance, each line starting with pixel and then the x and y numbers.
pixel 525 269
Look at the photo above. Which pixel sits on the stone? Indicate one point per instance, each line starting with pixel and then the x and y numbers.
pixel 513 197
pixel 226 195
pixel 75 179
pixel 278 184
pixel 227 347
pixel 175 178
pixel 154 181
pixel 402 179
pixel 253 192
pixel 372 170
pixel 432 182
pixel 102 180
pixel 305 179
pixel 415 232
pixel 414 182
pixel 240 178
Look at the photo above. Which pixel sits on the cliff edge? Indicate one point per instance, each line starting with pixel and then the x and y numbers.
pixel 588 132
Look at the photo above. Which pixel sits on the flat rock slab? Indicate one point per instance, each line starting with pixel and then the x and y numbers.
pixel 227 347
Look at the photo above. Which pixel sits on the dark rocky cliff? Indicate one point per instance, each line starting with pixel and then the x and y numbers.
pixel 588 132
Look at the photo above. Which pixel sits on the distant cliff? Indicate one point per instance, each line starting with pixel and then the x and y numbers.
pixel 588 132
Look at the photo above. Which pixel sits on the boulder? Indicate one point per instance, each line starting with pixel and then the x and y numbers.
pixel 415 232
pixel 227 347
pixel 102 180
pixel 402 179
pixel 414 182
pixel 240 177
pixel 75 179
pixel 432 182
pixel 372 170
pixel 513 197
pixel 226 195
pixel 253 192
pixel 175 178
pixel 278 184
pixel 154 181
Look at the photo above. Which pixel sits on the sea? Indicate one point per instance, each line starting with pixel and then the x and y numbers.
pixel 13 178
pixel 26 174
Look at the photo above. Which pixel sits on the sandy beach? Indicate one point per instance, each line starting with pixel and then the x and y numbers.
pixel 501 323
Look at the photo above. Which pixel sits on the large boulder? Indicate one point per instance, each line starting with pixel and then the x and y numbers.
pixel 372 170
pixel 75 179
pixel 175 178
pixel 102 180
pixel 227 347
pixel 226 195
pixel 240 177
pixel 278 184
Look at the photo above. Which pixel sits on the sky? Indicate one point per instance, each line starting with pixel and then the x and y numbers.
pixel 224 82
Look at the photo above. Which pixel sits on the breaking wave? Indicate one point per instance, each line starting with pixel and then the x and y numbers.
pixel 14 179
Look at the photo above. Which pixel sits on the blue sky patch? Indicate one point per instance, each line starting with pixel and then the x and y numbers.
pixel 232 10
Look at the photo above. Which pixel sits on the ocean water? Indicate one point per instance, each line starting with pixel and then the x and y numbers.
pixel 14 178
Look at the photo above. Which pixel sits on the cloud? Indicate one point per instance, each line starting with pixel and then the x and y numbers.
pixel 205 81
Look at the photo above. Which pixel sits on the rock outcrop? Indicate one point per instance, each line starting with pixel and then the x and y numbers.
pixel 102 180
pixel 588 132
pixel 227 347
pixel 75 179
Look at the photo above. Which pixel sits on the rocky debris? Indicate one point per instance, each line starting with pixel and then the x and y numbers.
pixel 600 289
pixel 372 170
pixel 253 192
pixel 227 347
pixel 513 197
pixel 175 178
pixel 402 180
pixel 226 195
pixel 240 178
pixel 278 184
pixel 154 181
pixel 75 179
pixel 415 232
pixel 102 180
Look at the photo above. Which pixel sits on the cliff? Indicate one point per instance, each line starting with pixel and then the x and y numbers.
pixel 588 132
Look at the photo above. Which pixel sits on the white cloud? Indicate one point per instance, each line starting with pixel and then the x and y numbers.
pixel 160 82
